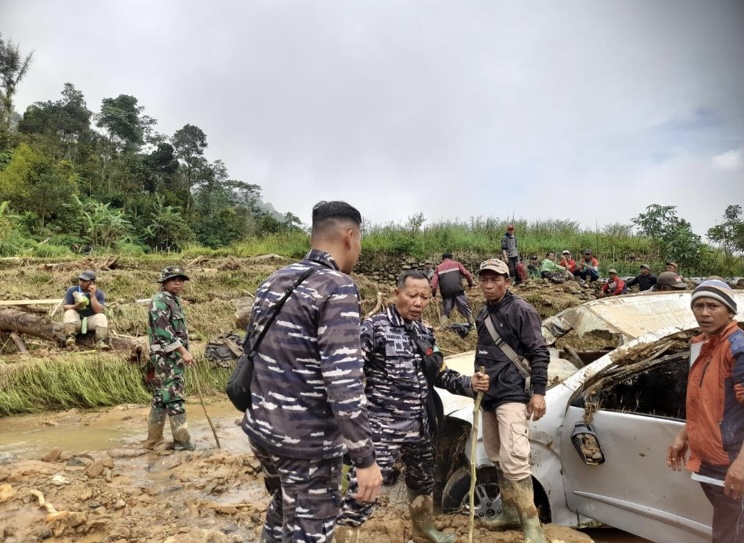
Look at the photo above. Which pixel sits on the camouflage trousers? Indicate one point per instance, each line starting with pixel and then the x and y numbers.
pixel 165 377
pixel 305 497
pixel 417 453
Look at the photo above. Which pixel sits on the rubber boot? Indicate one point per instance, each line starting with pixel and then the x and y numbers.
pixel 346 534
pixel 180 431
pixel 70 331
pixel 524 502
pixel 155 426
pixel 507 517
pixel 422 518
pixel 101 335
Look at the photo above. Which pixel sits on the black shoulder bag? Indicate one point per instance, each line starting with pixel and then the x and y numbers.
pixel 238 387
pixel 432 362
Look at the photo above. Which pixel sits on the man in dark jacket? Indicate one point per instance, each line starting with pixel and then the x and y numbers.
pixel 307 392
pixel 516 393
pixel 510 252
pixel 448 278
pixel 644 281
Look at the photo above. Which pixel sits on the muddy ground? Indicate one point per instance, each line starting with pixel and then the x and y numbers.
pixel 85 477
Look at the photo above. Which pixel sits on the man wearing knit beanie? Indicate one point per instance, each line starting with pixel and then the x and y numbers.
pixel 714 431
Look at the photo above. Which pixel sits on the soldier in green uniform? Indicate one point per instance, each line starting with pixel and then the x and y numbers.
pixel 169 356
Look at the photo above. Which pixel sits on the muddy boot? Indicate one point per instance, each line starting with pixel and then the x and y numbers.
pixel 70 331
pixel 180 431
pixel 422 518
pixel 524 502
pixel 101 335
pixel 346 534
pixel 506 517
pixel 155 426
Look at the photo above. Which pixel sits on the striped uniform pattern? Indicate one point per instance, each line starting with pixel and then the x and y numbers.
pixel 397 390
pixel 307 392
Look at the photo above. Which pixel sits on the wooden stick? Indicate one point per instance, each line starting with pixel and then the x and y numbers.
pixel 473 449
pixel 19 343
pixel 56 308
pixel 31 302
pixel 201 399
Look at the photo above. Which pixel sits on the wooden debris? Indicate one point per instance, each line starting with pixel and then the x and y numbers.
pixel 49 301
pixel 19 343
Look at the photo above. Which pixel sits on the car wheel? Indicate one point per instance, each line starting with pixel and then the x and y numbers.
pixel 456 493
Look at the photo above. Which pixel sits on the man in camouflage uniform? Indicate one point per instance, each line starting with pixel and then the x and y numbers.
pixel 307 393
pixel 401 363
pixel 169 356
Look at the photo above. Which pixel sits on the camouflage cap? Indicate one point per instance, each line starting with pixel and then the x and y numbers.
pixel 172 271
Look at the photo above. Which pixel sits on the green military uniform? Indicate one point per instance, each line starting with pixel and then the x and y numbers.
pixel 165 371
pixel 167 332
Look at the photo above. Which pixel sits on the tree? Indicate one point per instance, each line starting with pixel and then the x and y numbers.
pixel 37 184
pixel 65 123
pixel 167 229
pixel 729 235
pixel 13 68
pixel 190 142
pixel 673 236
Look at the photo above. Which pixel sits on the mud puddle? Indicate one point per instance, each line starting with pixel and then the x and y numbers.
pixel 84 477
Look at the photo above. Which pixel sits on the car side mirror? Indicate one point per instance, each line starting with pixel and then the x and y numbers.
pixel 585 441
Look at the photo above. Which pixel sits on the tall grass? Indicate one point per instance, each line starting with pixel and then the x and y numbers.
pixel 88 381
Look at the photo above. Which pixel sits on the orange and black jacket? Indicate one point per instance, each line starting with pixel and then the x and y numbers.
pixel 715 418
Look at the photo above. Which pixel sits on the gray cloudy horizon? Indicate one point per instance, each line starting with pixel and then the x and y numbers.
pixel 578 110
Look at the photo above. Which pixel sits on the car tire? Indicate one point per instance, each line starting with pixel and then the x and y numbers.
pixel 455 496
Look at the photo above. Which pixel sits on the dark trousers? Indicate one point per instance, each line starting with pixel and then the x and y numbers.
pixel 512 263
pixel 728 515
pixel 461 301
pixel 587 274
pixel 417 453
pixel 305 497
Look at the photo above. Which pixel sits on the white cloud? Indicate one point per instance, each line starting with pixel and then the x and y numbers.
pixel 730 160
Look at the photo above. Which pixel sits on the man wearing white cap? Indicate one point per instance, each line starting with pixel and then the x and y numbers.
pixel 513 351
pixel 714 431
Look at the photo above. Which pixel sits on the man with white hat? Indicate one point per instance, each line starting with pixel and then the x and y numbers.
pixel 513 351
pixel 714 431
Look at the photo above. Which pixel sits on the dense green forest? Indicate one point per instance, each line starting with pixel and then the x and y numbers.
pixel 74 180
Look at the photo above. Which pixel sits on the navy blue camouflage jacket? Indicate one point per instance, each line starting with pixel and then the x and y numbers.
pixel 307 389
pixel 396 385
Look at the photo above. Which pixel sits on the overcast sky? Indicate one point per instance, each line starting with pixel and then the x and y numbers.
pixel 588 110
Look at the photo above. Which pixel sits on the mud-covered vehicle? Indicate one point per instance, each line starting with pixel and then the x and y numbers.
pixel 599 453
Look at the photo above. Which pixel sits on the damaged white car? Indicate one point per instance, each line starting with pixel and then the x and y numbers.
pixel 599 454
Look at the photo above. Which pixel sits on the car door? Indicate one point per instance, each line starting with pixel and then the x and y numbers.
pixel 614 444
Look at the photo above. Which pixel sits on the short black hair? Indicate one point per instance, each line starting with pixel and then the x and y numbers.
pixel 447 254
pixel 409 274
pixel 325 212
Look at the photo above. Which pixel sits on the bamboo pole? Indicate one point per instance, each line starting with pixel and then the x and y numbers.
pixel 473 448
pixel 201 400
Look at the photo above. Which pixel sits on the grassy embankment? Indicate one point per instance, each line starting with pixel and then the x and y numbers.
pixel 60 380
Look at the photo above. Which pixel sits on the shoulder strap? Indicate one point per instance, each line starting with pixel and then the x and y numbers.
pixel 307 273
pixel 506 349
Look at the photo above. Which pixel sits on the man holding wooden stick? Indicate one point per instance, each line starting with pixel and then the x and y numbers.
pixel 169 357
pixel 513 351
